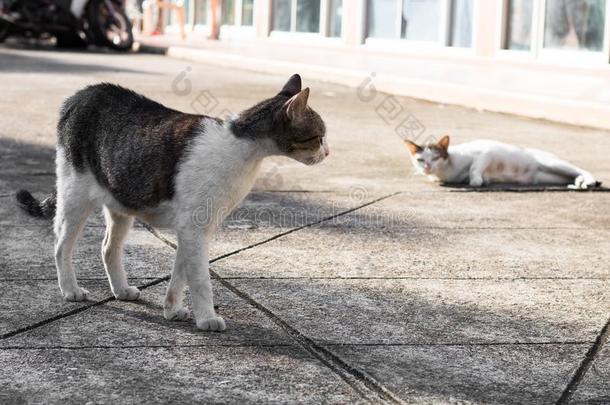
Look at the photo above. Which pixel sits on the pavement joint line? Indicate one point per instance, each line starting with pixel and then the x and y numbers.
pixel 168 346
pixel 360 381
pixel 258 344
pixel 450 228
pixel 457 344
pixel 585 365
pixel 100 278
pixel 55 318
pixel 15 279
pixel 420 278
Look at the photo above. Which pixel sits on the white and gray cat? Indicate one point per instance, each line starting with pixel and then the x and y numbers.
pixel 136 158
pixel 485 162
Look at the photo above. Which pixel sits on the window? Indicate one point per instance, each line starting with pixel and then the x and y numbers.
pixel 461 23
pixel 421 20
pixel 547 28
pixel 201 12
pixel 307 16
pixel 247 12
pixel 445 22
pixel 574 24
pixel 282 15
pixel 335 18
pixel 520 14
pixel 378 16
pixel 238 13
pixel 227 12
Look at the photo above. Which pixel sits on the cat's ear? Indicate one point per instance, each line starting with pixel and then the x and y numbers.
pixel 443 143
pixel 297 105
pixel 413 147
pixel 292 86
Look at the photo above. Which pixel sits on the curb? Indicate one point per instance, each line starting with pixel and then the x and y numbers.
pixel 572 112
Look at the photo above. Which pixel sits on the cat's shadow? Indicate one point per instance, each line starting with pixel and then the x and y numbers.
pixel 520 188
pixel 239 331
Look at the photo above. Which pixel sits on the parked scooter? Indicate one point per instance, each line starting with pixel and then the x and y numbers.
pixel 74 23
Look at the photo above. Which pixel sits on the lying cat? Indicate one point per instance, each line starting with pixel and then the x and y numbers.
pixel 484 162
pixel 137 158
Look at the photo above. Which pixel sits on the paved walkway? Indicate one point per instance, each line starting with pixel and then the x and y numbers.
pixel 352 281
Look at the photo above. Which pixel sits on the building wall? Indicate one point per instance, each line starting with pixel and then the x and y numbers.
pixel 548 31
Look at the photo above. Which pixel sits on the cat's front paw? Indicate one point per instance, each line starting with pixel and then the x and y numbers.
pixel 75 295
pixel 176 314
pixel 215 324
pixel 476 182
pixel 128 294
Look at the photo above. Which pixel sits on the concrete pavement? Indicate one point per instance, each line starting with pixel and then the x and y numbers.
pixel 352 281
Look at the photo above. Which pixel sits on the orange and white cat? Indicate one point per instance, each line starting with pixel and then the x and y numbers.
pixel 485 162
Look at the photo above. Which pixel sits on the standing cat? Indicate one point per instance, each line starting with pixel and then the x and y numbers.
pixel 137 158
pixel 484 162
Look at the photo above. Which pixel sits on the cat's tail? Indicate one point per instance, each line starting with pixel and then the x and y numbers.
pixel 40 209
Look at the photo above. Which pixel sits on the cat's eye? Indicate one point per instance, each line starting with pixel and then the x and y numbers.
pixel 309 143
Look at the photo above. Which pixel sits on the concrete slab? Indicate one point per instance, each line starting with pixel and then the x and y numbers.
pixel 437 311
pixel 27 302
pixel 595 387
pixel 405 251
pixel 27 253
pixel 504 374
pixel 264 214
pixel 210 374
pixel 141 323
pixel 449 208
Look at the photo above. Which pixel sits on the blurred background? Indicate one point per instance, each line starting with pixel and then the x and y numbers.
pixel 538 58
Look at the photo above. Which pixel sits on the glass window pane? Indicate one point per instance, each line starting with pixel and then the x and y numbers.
pixel 335 17
pixel 519 25
pixel 461 23
pixel 201 12
pixel 227 12
pixel 281 15
pixel 421 20
pixel 308 15
pixel 575 24
pixel 381 18
pixel 247 12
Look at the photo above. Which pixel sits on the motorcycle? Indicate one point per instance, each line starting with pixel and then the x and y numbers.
pixel 74 23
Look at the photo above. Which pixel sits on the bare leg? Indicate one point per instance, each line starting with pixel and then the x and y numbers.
pixel 192 261
pixel 117 228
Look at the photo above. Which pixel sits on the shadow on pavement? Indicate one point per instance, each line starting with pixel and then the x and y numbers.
pixel 18 63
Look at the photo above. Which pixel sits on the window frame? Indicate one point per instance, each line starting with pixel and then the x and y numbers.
pixel 324 27
pixel 537 50
pixel 238 30
pixel 443 43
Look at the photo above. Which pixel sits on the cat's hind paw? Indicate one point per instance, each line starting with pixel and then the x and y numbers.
pixel 75 295
pixel 128 294
pixel 584 182
pixel 215 324
pixel 177 314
